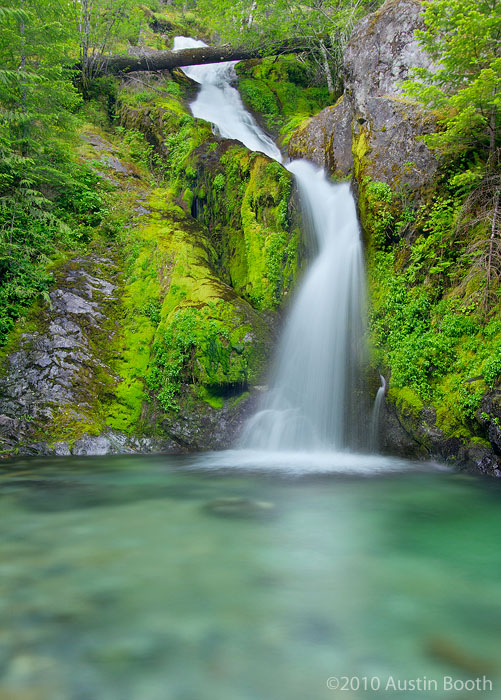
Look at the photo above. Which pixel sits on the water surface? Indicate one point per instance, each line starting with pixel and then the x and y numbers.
pixel 145 578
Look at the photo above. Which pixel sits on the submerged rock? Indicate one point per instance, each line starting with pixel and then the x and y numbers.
pixel 445 650
pixel 235 507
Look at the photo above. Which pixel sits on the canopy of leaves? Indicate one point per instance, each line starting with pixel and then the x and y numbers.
pixel 464 39
pixel 326 25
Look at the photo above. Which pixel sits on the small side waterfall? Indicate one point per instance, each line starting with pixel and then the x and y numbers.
pixel 313 399
pixel 376 413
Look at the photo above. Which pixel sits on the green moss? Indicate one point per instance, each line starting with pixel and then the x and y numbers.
pixel 282 92
pixel 234 400
pixel 69 425
pixel 242 199
pixel 182 325
pixel 481 442
pixel 214 400
pixel 407 401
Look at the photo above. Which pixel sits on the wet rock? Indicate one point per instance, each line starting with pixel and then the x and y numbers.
pixel 489 417
pixel 373 120
pixel 234 507
pixel 33 671
pixel 478 458
pixel 394 438
pixel 326 139
pixel 201 427
pixel 445 650
pixel 88 445
pixel 414 433
pixel 112 443
pixel 136 648
pixel 61 449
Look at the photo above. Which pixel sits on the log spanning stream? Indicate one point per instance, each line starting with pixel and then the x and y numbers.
pixel 293 566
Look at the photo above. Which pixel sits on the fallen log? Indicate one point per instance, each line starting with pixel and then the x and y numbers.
pixel 167 60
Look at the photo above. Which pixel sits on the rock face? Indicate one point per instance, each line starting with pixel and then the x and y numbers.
pixel 51 386
pixel 326 139
pixel 414 434
pixel 372 130
pixel 382 51
pixel 55 364
pixel 137 316
pixel 489 417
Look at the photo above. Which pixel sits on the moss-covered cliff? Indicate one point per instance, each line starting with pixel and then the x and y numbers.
pixel 160 321
pixel 201 250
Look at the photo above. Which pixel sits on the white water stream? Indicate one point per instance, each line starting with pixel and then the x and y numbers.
pixel 219 102
pixel 311 404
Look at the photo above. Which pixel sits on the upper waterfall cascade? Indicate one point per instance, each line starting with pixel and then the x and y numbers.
pixel 314 376
pixel 219 102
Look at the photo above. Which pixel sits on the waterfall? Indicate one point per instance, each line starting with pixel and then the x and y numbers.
pixel 313 397
pixel 320 352
pixel 220 103
pixel 376 413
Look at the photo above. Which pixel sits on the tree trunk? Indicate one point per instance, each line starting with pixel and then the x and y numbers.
pixel 491 244
pixel 165 60
pixel 327 70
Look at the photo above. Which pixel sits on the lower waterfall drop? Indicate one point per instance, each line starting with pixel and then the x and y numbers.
pixel 312 403
pixel 314 377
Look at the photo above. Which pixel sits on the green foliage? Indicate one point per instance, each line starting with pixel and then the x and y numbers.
pixel 324 27
pixel 219 182
pixel 136 147
pixel 432 252
pixel 463 39
pixel 434 347
pixel 379 191
pixel 47 202
pixel 193 337
pixel 282 91
pixel 377 211
pixel 491 369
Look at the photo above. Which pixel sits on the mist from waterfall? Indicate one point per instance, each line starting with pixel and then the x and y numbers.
pixel 313 398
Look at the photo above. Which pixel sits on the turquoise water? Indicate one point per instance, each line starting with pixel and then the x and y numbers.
pixel 151 578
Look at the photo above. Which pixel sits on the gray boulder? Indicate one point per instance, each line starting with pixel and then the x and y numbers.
pixel 373 130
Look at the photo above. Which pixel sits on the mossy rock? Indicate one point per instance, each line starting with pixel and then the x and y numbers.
pixel 189 326
pixel 245 200
pixel 281 92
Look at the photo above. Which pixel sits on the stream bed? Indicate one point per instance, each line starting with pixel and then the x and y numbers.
pixel 152 578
